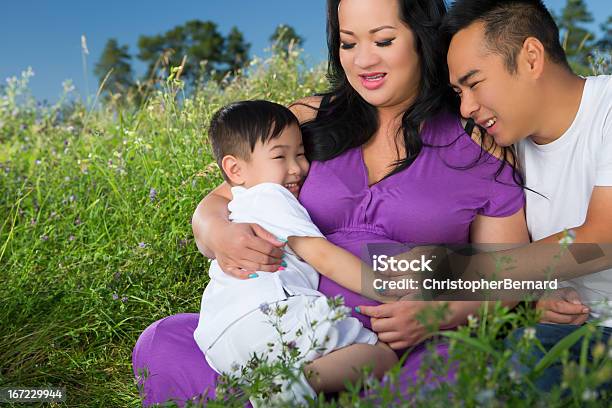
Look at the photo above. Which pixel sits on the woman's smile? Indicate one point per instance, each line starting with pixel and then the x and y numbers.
pixel 373 80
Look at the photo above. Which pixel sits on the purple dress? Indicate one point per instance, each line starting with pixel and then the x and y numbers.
pixel 433 201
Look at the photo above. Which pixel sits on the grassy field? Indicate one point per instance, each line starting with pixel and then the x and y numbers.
pixel 96 243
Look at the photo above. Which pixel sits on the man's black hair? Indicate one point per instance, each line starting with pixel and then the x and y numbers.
pixel 237 127
pixel 507 24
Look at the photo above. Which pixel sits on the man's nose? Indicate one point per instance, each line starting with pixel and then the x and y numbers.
pixel 469 106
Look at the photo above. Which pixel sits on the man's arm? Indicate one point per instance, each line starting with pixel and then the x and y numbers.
pixel 597 227
pixel 590 252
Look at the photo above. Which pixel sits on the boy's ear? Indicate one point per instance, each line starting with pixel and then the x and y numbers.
pixel 533 54
pixel 233 168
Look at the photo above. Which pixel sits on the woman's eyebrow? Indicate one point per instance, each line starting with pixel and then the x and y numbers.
pixel 377 29
pixel 372 31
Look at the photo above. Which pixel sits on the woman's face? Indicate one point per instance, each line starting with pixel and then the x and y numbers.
pixel 377 52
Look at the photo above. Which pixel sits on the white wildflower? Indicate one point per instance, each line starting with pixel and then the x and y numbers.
pixel 529 333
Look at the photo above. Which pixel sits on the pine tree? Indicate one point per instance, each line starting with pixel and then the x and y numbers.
pixel 605 43
pixel 285 37
pixel 197 43
pixel 116 60
pixel 576 40
pixel 236 51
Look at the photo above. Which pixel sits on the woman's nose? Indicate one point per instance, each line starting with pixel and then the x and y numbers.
pixel 365 57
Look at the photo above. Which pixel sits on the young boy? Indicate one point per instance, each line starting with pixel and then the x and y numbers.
pixel 511 73
pixel 258 146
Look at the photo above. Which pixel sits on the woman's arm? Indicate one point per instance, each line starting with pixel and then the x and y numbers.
pixel 210 213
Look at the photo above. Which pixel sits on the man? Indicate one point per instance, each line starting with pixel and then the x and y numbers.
pixel 511 73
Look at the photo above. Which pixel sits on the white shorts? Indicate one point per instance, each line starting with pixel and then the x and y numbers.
pixel 254 332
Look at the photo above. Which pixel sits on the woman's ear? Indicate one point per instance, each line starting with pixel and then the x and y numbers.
pixel 533 54
pixel 233 169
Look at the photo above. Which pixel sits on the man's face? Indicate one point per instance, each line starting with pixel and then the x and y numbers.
pixel 503 103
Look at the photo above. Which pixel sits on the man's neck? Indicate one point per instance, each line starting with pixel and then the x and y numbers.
pixel 561 96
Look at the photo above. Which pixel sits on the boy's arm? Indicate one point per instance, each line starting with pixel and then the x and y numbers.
pixel 337 264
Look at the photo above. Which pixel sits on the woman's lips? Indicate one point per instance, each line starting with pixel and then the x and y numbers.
pixel 373 80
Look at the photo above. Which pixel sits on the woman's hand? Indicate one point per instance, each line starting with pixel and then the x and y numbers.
pixel 396 322
pixel 563 306
pixel 243 249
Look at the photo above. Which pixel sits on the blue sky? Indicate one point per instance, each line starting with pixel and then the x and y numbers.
pixel 46 35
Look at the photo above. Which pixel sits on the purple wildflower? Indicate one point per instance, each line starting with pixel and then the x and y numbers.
pixel 71 238
pixel 264 308
pixel 124 299
pixel 152 194
pixel 44 237
pixel 142 244
pixel 77 221
pixel 115 296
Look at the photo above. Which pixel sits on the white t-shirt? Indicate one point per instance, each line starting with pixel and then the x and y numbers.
pixel 565 172
pixel 226 299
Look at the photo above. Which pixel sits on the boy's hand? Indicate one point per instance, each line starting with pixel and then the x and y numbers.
pixel 246 248
pixel 563 306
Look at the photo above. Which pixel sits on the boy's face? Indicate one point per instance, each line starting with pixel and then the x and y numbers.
pixel 501 102
pixel 281 161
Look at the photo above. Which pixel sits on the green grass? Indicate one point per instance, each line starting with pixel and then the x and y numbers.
pixel 90 255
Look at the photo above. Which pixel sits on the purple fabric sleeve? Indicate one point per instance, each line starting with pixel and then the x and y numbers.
pixel 506 197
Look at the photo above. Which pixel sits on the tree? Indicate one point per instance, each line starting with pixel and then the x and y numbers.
pixel 285 37
pixel 605 43
pixel 197 43
pixel 576 40
pixel 236 51
pixel 116 58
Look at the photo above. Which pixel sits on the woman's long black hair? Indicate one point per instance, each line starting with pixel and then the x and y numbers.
pixel 348 121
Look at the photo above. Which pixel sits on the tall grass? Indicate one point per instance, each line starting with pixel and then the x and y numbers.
pixel 96 242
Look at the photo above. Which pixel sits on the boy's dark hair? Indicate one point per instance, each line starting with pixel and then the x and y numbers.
pixel 237 127
pixel 507 24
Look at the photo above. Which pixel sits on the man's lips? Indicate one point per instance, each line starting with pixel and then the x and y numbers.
pixel 487 123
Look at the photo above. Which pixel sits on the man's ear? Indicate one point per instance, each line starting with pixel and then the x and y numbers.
pixel 533 56
pixel 234 169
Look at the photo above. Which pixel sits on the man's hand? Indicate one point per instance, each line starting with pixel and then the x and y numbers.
pixel 246 248
pixel 396 323
pixel 563 306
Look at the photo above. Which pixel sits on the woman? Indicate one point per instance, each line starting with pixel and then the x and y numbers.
pixel 390 165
